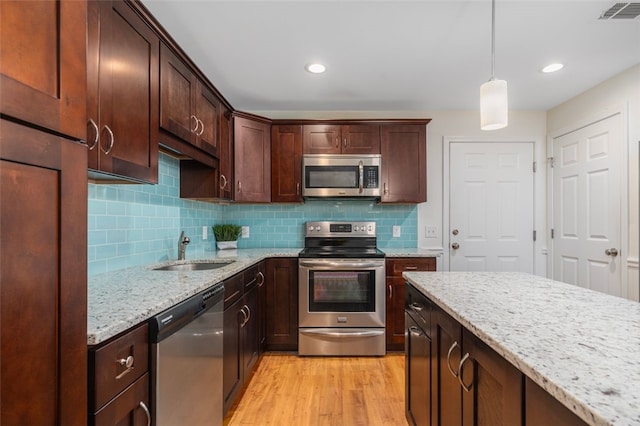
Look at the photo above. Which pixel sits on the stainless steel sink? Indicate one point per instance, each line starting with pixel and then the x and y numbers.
pixel 194 266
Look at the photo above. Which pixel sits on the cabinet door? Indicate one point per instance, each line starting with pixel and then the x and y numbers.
pixel 127 115
pixel 43 291
pixel 321 139
pixel 361 139
pixel 207 112
pixel 225 153
pixel 252 145
pixel 130 408
pixel 395 313
pixel 404 163
pixel 541 409
pixel 262 306
pixel 177 83
pixel 447 347
pixel 250 332
pixel 286 163
pixel 493 388
pixel 35 39
pixel 232 355
pixel 418 372
pixel 282 304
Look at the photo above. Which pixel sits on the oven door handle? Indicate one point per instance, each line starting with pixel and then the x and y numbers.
pixel 345 264
pixel 342 334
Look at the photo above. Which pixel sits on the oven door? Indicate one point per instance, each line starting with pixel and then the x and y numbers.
pixel 341 293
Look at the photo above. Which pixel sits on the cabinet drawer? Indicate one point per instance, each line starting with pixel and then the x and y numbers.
pixel 127 408
pixel 111 375
pixel 251 277
pixel 419 307
pixel 233 289
pixel 395 267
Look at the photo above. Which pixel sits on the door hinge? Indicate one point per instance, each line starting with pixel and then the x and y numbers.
pixel 551 161
pixel 534 166
pixel 552 233
pixel 535 234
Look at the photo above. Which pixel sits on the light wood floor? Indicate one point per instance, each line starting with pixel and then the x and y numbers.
pixel 290 390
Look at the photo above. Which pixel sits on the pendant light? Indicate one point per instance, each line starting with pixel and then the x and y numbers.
pixel 494 104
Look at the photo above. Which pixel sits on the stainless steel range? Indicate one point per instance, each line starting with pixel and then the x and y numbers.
pixel 342 293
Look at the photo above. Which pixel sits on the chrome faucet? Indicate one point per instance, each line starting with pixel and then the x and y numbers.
pixel 182 245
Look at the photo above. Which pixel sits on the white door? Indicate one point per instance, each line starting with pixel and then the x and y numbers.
pixel 586 206
pixel 491 206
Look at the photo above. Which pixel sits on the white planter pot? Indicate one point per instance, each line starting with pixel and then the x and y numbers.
pixel 227 245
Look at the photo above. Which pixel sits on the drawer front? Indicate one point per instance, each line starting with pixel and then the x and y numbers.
pixel 233 289
pixel 395 267
pixel 251 277
pixel 127 408
pixel 119 363
pixel 418 306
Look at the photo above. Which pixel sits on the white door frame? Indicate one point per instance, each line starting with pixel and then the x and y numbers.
pixel 446 188
pixel 605 113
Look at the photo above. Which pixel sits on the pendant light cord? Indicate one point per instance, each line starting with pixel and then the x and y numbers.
pixel 493 39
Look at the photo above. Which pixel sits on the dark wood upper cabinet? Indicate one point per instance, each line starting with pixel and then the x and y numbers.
pixel 226 175
pixel 286 163
pixel 404 163
pixel 122 102
pixel 252 158
pixel 43 296
pixel 36 38
pixel 189 110
pixel 341 139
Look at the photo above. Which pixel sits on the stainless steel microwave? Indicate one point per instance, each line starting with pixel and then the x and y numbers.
pixel 341 175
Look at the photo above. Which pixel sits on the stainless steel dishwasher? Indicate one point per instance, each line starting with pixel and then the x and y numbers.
pixel 186 360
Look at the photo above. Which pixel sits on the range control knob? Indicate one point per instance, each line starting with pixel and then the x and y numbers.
pixel 318 228
pixel 310 228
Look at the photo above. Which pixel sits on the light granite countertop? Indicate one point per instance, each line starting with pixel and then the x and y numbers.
pixel 122 299
pixel 581 346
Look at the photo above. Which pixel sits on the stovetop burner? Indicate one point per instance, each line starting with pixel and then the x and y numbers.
pixel 340 239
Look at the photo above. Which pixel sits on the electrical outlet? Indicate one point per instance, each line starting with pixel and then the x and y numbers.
pixel 396 231
pixel 245 232
pixel 205 229
pixel 431 232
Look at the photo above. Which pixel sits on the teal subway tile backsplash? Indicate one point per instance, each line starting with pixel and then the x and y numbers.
pixel 138 224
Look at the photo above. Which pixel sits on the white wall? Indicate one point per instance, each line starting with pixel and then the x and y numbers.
pixel 619 92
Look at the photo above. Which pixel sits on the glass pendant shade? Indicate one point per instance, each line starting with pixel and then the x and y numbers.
pixel 494 105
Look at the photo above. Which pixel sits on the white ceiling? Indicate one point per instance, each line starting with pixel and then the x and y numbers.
pixel 400 55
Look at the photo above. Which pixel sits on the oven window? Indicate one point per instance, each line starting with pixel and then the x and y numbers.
pixel 331 176
pixel 342 291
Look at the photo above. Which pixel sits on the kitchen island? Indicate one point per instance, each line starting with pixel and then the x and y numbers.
pixel 580 346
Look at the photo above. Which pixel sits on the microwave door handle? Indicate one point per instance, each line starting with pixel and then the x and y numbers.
pixel 361 173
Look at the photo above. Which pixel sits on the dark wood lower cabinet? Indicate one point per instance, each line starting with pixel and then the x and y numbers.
pixel 43 278
pixel 542 409
pixel 282 304
pixel 418 373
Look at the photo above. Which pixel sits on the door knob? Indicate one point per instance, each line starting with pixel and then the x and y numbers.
pixel 455 232
pixel 611 252
pixel 455 246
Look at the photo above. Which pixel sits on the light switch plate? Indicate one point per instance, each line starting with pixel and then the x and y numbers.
pixel 431 232
pixel 245 232
pixel 204 232
pixel 396 231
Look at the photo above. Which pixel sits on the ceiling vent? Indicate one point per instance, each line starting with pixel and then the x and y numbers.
pixel 622 11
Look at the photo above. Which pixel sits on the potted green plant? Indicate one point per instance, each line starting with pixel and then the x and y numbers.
pixel 227 235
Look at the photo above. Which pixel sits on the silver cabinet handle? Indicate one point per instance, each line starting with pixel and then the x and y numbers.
pixel 239 186
pixel 298 188
pixel 410 268
pixel 146 411
pixel 455 246
pixel 344 142
pixel 248 313
pixel 201 127
pixel 390 291
pixel 194 118
pixel 415 330
pixel 453 346
pixel 385 189
pixel 125 362
pixel 611 252
pixel 416 307
pixel 337 142
pixel 462 361
pixel 245 315
pixel 111 140
pixel 261 282
pixel 223 181
pixel 97 134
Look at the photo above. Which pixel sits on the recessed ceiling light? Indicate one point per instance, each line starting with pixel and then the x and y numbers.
pixel 316 68
pixel 552 68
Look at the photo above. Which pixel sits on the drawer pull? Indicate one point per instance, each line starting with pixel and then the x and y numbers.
pixel 453 346
pixel 146 411
pixel 410 268
pixel 415 331
pixel 416 307
pixel 261 282
pixel 462 361
pixel 125 362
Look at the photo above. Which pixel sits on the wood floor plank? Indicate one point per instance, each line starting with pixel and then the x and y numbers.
pixel 323 391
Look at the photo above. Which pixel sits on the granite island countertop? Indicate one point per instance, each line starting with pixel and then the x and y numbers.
pixel 581 346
